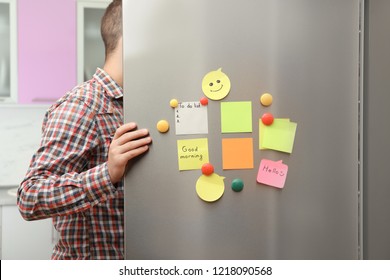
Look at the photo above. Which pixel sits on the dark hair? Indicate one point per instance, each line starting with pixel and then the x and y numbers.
pixel 111 26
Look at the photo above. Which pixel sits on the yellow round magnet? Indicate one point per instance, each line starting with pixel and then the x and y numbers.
pixel 266 99
pixel 173 103
pixel 210 188
pixel 163 126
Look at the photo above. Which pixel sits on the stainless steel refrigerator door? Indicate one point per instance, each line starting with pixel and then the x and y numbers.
pixel 306 54
pixel 377 131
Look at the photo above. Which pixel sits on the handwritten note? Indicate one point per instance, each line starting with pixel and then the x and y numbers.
pixel 272 173
pixel 236 117
pixel 191 118
pixel 192 153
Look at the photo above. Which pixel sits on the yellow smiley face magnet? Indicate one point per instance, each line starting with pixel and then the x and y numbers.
pixel 216 85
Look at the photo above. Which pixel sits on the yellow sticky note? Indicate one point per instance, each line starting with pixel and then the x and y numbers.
pixel 192 153
pixel 216 85
pixel 210 188
pixel 236 117
pixel 279 136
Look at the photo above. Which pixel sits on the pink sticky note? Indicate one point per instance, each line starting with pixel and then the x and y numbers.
pixel 272 173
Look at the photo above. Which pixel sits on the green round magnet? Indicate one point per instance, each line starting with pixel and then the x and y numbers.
pixel 237 185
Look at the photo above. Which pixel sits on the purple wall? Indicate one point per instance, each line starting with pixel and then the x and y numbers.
pixel 47 49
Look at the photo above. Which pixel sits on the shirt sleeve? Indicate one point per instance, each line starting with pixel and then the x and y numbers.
pixel 61 179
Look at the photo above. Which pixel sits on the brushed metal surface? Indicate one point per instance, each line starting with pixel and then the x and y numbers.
pixel 306 54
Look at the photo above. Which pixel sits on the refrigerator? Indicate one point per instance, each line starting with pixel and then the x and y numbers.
pixel 376 132
pixel 267 92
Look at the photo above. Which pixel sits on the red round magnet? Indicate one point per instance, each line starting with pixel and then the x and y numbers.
pixel 207 169
pixel 267 119
pixel 204 101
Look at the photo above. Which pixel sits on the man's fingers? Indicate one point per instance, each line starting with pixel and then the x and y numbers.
pixel 134 144
pixel 132 135
pixel 123 129
pixel 135 152
pixel 127 143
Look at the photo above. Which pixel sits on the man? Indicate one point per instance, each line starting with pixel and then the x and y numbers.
pixel 75 177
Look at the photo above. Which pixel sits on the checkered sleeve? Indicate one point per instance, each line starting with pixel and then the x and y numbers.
pixel 62 178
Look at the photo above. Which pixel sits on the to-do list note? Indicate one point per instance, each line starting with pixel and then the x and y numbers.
pixel 191 118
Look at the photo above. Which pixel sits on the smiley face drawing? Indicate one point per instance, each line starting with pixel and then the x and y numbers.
pixel 216 85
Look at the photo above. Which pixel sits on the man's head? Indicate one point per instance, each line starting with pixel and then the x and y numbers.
pixel 111 26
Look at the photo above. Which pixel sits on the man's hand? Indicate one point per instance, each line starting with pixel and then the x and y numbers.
pixel 128 142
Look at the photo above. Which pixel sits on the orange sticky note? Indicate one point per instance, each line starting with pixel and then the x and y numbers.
pixel 237 153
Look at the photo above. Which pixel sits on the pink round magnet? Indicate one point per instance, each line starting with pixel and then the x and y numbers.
pixel 267 119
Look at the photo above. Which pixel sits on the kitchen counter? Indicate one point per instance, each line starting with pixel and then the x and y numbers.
pixel 8 195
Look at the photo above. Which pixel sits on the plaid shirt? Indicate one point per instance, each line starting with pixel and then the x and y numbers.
pixel 68 178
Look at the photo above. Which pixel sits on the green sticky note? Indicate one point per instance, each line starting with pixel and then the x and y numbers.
pixel 236 117
pixel 192 153
pixel 263 130
pixel 279 136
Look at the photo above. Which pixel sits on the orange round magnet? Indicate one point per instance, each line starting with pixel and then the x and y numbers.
pixel 163 126
pixel 266 99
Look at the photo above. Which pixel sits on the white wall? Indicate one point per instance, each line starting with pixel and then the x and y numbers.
pixel 20 133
